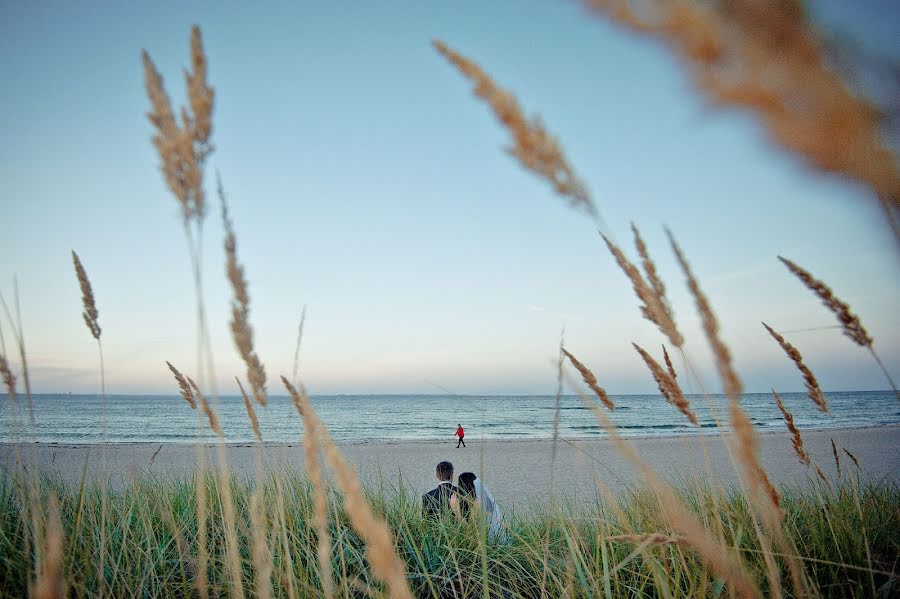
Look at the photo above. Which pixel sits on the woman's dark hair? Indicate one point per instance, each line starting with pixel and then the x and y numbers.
pixel 466 483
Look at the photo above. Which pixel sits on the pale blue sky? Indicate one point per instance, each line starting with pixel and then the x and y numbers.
pixel 366 181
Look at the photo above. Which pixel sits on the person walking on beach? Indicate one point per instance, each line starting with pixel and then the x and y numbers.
pixel 460 433
pixel 437 500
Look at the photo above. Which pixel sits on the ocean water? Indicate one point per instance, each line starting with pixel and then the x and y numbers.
pixel 168 419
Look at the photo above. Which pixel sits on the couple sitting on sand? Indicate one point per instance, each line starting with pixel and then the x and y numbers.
pixel 467 500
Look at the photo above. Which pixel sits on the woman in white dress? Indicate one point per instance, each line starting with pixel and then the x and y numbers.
pixel 476 498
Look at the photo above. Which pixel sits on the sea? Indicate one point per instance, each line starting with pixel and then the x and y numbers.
pixel 72 419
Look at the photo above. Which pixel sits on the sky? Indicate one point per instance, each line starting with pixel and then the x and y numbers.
pixel 366 182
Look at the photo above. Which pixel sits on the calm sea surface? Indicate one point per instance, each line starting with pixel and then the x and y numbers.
pixel 165 418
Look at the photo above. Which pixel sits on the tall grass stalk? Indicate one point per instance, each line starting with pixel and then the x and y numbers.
pixel 850 322
pixel 91 319
pixel 533 146
pixel 380 548
pixel 32 515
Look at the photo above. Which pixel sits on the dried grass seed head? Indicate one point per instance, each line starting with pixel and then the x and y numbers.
pixel 767 58
pixel 590 380
pixel 853 327
pixel 730 380
pixel 251 413
pixel 200 95
pixel 241 331
pixel 796 439
pixel 812 385
pixel 183 386
pixel 183 149
pixel 532 146
pixel 311 451
pixel 658 289
pixel 761 488
pixel 651 306
pixel 668 361
pixel 207 409
pixel 90 313
pixel 668 386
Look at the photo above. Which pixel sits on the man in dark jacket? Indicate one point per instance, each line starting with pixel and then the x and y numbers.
pixel 438 499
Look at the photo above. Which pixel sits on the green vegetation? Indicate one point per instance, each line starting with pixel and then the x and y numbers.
pixel 845 538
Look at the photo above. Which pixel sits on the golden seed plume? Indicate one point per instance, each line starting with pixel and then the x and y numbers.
pixel 669 388
pixel 251 413
pixel 812 385
pixel 850 322
pixel 533 146
pixel 590 380
pixel 241 331
pixel 796 439
pixel 204 405
pixel 90 313
pixel 765 57
pixel 730 380
pixel 380 546
pixel 853 328
pixel 183 149
pixel 669 365
pixel 183 386
pixel 747 444
pixel 200 95
pixel 652 307
pixel 50 583
pixel 656 285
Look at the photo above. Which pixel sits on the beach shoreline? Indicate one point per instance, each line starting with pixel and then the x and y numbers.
pixel 519 471
pixel 430 441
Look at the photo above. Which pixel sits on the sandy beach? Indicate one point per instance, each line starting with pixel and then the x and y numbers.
pixel 518 472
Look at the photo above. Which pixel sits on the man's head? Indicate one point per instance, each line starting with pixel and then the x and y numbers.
pixel 444 471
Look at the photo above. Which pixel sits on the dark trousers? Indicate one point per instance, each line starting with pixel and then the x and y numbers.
pixel 461 441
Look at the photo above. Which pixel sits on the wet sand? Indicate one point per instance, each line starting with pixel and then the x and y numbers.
pixel 517 471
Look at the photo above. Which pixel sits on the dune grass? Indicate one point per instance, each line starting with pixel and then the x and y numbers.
pixel 552 550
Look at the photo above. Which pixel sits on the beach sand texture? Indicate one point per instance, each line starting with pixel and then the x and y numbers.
pixel 518 472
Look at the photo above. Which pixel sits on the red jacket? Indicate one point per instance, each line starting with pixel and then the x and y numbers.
pixel 460 432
